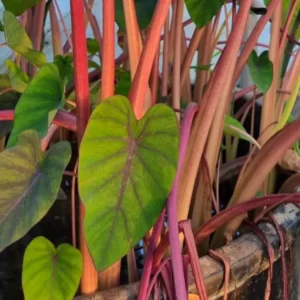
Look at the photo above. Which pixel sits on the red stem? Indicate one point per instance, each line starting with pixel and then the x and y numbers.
pixel 139 85
pixel 108 54
pixel 62 119
pixel 89 280
pixel 143 289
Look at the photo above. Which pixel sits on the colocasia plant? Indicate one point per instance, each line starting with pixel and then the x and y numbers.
pixel 153 147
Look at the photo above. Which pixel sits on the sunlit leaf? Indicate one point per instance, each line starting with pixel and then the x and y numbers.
pixel 261 70
pixel 126 169
pixel 144 13
pixel 18 79
pixel 43 95
pixel 17 7
pixel 202 11
pixel 50 273
pixel 18 40
pixel 29 182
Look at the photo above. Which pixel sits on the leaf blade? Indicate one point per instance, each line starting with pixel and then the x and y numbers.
pixel 26 194
pixel 44 268
pixel 43 95
pixel 18 40
pixel 201 11
pixel 131 175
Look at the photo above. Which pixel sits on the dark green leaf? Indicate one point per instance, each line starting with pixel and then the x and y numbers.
pixel 261 70
pixel 126 170
pixel 18 79
pixel 93 65
pixel 123 82
pixel 8 100
pixel 50 273
pixel 203 67
pixel 43 95
pixel 202 11
pixel 92 46
pixel 18 40
pixel 29 183
pixel 17 7
pixel 144 12
pixel 65 66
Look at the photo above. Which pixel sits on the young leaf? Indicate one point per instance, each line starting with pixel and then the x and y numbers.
pixel 18 40
pixel 65 66
pixel 44 94
pixel 50 273
pixel 17 7
pixel 144 12
pixel 234 128
pixel 29 183
pixel 229 120
pixel 92 46
pixel 261 70
pixel 126 169
pixel 202 11
pixel 18 79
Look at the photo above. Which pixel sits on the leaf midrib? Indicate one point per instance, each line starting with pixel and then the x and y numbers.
pixel 126 174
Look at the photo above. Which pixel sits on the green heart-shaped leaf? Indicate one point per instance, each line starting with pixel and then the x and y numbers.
pixel 50 273
pixel 18 79
pixel 126 169
pixel 144 12
pixel 202 11
pixel 17 7
pixel 261 70
pixel 43 95
pixel 29 183
pixel 18 40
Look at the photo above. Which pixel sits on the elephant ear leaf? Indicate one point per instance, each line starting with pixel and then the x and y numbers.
pixel 126 170
pixel 50 273
pixel 29 182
